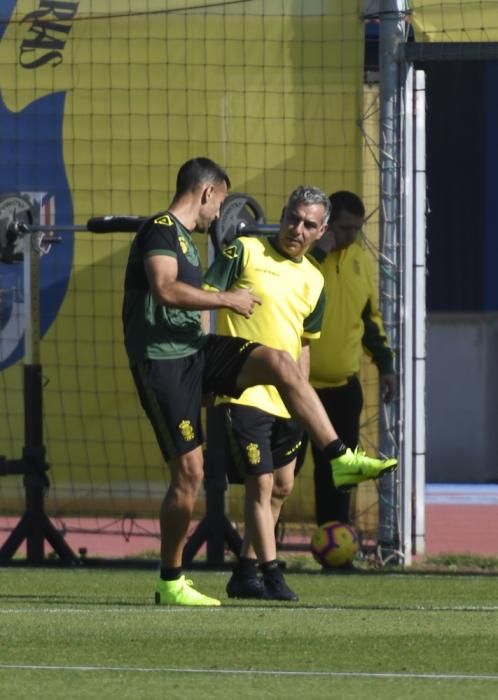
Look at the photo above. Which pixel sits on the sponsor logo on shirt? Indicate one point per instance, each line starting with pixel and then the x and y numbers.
pixel 164 220
pixel 267 272
pixel 230 252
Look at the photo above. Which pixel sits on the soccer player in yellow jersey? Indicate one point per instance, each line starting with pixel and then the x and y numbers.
pixel 264 440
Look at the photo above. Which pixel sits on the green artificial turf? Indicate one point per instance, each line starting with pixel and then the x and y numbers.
pixel 95 633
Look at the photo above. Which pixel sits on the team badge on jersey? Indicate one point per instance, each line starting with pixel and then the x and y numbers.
pixel 253 453
pixel 183 244
pixel 186 430
pixel 164 220
pixel 356 266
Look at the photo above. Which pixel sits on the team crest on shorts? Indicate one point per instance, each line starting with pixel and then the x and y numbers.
pixel 186 430
pixel 253 453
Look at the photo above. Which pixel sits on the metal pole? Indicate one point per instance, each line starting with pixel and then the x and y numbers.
pixel 420 317
pixel 34 449
pixel 391 35
pixel 407 330
pixel 245 229
pixel 31 301
pixel 47 228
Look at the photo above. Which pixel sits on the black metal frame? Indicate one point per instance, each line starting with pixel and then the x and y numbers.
pixel 34 526
pixel 215 529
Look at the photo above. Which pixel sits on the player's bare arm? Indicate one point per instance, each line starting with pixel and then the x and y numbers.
pixel 162 273
pixel 304 359
pixel 205 321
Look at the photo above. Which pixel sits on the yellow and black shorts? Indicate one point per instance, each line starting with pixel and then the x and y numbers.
pixel 259 442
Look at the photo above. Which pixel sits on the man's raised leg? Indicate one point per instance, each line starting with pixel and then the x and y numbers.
pixel 268 366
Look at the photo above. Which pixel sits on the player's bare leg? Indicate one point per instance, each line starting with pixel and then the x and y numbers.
pixel 262 508
pixel 177 507
pixel 283 482
pixel 259 537
pixel 174 518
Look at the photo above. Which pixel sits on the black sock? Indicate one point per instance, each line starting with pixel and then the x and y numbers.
pixel 271 568
pixel 246 566
pixel 334 449
pixel 170 574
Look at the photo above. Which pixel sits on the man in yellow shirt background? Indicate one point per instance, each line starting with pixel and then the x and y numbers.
pixel 352 324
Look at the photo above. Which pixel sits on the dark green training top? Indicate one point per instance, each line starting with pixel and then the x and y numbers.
pixel 152 330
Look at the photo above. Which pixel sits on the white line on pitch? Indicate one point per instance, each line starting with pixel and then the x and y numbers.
pixel 103 607
pixel 252 672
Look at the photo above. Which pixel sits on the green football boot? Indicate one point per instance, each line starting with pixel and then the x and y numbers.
pixel 181 592
pixel 352 468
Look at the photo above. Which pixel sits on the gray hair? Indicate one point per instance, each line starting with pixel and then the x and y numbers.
pixel 307 194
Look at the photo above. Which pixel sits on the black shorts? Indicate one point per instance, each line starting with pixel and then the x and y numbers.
pixel 260 442
pixel 171 391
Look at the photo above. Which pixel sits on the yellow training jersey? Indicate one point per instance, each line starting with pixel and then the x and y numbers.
pixel 292 305
pixel 352 322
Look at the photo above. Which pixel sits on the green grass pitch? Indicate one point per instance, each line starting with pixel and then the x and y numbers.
pixel 95 633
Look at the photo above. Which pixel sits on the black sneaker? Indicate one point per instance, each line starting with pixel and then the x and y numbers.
pixel 276 588
pixel 245 587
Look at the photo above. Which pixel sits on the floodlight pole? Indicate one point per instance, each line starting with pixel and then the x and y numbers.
pixel 34 526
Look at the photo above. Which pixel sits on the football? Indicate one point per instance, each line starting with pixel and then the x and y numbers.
pixel 334 545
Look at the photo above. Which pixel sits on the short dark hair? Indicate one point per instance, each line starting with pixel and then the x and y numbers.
pixel 196 171
pixel 345 201
pixel 309 194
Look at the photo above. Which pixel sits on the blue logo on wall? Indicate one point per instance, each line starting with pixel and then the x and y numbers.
pixel 33 170
pixel 31 153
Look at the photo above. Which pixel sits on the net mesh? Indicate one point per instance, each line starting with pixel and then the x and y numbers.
pixel 107 99
pixel 102 101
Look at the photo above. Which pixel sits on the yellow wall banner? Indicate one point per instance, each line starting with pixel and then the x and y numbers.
pixel 101 102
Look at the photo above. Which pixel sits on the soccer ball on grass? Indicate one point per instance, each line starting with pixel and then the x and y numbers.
pixel 334 545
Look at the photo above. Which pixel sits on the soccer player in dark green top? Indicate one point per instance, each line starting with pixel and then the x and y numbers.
pixel 174 362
